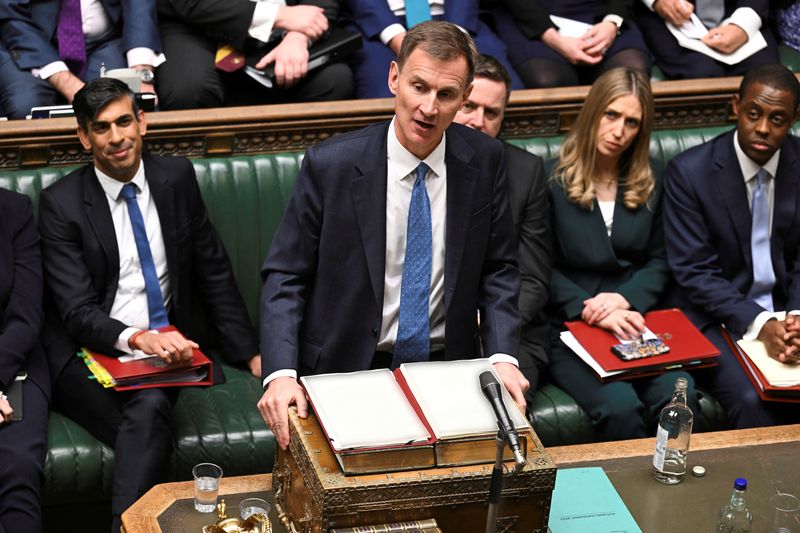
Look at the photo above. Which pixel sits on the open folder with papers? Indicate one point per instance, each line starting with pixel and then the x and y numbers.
pixel 421 415
pixel 773 380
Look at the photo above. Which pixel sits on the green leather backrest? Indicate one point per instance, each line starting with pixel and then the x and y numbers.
pixel 246 195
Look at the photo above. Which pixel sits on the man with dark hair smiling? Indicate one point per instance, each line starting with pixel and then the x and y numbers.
pixel 484 110
pixel 127 248
pixel 395 235
pixel 737 270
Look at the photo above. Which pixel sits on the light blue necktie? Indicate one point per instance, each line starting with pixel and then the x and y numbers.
pixel 155 300
pixel 763 275
pixel 710 12
pixel 413 330
pixel 417 11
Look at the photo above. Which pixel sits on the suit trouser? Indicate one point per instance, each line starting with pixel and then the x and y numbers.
pixel 618 409
pixel 23 446
pixel 729 384
pixel 20 90
pixel 136 424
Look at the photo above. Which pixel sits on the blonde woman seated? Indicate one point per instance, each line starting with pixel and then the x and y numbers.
pixel 609 261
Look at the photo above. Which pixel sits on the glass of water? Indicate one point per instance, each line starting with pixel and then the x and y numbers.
pixel 786 517
pixel 252 506
pixel 206 486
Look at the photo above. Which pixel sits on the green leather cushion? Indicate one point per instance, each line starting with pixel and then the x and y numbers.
pixel 219 424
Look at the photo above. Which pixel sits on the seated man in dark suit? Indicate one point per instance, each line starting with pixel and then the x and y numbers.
pixel 362 274
pixel 733 269
pixel 730 24
pixel 127 248
pixel 193 32
pixel 527 192
pixel 49 48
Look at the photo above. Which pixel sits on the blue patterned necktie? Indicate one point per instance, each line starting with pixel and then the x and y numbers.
pixel 155 300
pixel 763 274
pixel 413 330
pixel 417 11
pixel 71 44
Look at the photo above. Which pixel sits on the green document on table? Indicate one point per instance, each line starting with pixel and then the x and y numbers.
pixel 585 500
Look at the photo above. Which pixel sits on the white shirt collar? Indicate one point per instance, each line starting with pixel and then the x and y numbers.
pixel 402 162
pixel 113 187
pixel 749 167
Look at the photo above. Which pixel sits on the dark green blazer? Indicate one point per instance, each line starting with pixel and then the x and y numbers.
pixel 586 261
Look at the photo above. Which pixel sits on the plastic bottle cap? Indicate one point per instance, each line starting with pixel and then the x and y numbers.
pixel 740 483
pixel 698 471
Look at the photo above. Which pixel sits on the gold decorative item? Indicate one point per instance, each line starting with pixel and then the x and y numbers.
pixel 257 523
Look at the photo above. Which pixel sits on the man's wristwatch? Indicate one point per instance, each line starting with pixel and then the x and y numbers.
pixel 146 76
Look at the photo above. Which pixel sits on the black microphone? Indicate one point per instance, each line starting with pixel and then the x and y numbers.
pixel 491 389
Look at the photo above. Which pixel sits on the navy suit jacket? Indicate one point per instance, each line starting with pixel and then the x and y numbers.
pixel 81 264
pixel 373 16
pixel 707 226
pixel 28 28
pixel 21 283
pixel 324 276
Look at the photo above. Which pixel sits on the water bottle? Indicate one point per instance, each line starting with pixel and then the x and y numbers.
pixel 735 517
pixel 672 438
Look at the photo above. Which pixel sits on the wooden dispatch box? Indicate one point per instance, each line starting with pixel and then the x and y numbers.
pixel 312 495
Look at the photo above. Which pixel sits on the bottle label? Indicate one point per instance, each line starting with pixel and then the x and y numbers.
pixel 661 448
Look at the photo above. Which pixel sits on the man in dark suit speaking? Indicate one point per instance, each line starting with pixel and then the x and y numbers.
pixel 527 192
pixel 127 247
pixel 395 237
pixel 732 230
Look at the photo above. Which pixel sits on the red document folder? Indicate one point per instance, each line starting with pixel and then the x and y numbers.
pixel 687 346
pixel 152 372
pixel 766 392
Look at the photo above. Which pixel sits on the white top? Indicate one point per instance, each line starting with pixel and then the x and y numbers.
pixel 607 210
pixel 130 303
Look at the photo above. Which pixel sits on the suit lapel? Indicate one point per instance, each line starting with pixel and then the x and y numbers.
pixel 460 188
pixel 163 194
pixel 99 216
pixel 368 190
pixel 727 176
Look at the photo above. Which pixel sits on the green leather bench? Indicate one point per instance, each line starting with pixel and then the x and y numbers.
pixel 245 196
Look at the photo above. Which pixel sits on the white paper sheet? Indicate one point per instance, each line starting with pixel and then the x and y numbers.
pixel 694 28
pixel 450 395
pixel 753 45
pixel 363 409
pixel 572 343
pixel 569 27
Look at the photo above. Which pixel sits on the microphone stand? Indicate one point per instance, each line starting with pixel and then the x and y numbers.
pixel 496 483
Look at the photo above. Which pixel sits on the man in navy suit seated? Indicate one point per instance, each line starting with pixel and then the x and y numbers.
pixel 732 228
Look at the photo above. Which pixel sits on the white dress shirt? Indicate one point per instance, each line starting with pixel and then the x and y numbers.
pixel 96 24
pixel 130 302
pixel 264 16
pixel 749 170
pixel 400 177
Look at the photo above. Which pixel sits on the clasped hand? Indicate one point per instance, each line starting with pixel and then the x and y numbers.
pixel 588 49
pixel 781 338
pixel 611 311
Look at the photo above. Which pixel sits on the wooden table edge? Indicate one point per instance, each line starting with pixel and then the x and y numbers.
pixel 582 453
pixel 142 516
